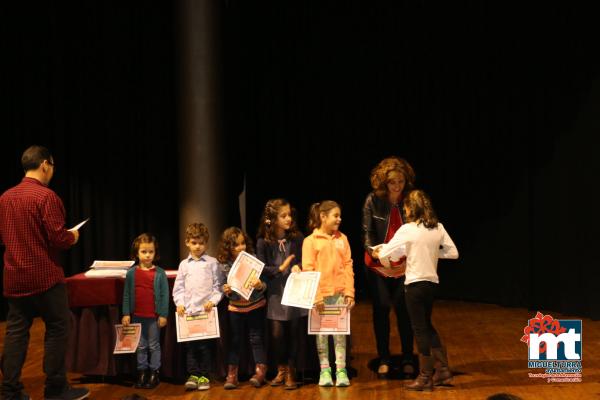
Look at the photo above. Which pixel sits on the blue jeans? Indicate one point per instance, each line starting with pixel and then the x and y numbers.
pixel 150 341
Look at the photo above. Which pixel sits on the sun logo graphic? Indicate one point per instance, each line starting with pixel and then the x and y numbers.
pixel 550 339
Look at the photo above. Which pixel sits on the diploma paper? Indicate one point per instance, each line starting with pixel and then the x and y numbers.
pixel 393 269
pixel 99 264
pixel 243 271
pixel 79 225
pixel 300 289
pixel 333 320
pixel 127 338
pixel 198 326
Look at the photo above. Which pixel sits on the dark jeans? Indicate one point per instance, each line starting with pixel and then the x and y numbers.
pixel 255 321
pixel 388 293
pixel 285 338
pixel 198 357
pixel 419 300
pixel 53 307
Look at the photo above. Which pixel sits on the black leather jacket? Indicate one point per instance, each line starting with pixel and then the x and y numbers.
pixel 375 220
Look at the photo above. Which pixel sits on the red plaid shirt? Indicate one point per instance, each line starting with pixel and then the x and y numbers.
pixel 32 228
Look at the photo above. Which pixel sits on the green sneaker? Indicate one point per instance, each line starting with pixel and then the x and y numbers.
pixel 341 378
pixel 203 383
pixel 325 377
pixel 191 383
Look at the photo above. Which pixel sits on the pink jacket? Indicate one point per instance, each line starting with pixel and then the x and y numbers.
pixel 331 256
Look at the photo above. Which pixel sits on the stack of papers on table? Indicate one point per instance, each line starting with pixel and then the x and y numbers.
pixel 171 273
pixel 110 269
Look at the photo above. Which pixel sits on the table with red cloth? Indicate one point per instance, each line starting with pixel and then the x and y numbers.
pixel 95 309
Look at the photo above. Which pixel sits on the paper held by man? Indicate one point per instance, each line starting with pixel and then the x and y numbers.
pixel 300 289
pixel 204 325
pixel 332 320
pixel 79 225
pixel 244 271
pixel 127 338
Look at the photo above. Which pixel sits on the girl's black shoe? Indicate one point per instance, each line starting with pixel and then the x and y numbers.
pixel 153 380
pixel 141 379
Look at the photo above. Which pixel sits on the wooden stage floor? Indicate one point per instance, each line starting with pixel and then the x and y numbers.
pixel 483 347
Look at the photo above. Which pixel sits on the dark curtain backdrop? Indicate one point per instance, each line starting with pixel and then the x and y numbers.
pixel 495 105
pixel 95 83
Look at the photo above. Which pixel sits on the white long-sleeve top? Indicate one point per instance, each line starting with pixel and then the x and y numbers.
pixel 422 248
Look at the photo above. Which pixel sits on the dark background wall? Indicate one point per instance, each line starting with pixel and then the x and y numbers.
pixel 495 106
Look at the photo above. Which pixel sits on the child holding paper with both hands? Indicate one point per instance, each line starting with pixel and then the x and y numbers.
pixel 242 312
pixel 327 250
pixel 197 288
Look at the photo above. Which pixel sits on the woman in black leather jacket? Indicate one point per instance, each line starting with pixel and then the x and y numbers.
pixel 382 215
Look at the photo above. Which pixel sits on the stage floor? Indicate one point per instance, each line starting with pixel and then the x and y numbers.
pixel 484 350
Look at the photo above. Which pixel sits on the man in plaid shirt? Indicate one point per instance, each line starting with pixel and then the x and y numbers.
pixel 32 230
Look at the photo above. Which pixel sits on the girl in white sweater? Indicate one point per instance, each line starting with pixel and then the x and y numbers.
pixel 423 241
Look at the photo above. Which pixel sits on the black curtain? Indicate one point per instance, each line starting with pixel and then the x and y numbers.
pixel 495 106
pixel 95 84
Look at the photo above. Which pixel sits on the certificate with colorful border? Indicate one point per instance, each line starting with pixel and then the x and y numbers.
pixel 198 326
pixel 127 338
pixel 333 320
pixel 243 271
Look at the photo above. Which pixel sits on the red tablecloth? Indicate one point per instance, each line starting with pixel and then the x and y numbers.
pixel 88 292
pixel 95 309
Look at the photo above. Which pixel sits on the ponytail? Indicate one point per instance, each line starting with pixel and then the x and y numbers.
pixel 314 215
pixel 421 209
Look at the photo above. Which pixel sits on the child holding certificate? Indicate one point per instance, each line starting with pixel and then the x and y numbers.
pixel 279 246
pixel 146 296
pixel 327 250
pixel 422 240
pixel 197 289
pixel 250 313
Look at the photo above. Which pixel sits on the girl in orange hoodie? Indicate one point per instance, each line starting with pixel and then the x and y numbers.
pixel 327 250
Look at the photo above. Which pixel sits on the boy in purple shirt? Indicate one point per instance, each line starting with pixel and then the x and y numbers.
pixel 197 289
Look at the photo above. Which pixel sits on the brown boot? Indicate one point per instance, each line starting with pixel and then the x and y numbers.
pixel 442 375
pixel 424 381
pixel 231 382
pixel 290 379
pixel 280 378
pixel 258 379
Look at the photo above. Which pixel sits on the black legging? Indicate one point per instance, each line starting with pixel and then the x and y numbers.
pixel 388 293
pixel 284 338
pixel 255 321
pixel 419 301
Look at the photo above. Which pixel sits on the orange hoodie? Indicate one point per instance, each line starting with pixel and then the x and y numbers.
pixel 331 256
